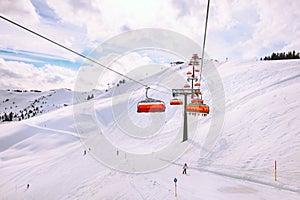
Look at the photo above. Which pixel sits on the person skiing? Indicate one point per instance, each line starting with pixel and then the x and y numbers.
pixel 184 168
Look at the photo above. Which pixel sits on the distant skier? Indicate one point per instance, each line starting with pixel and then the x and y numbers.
pixel 184 168
pixel 84 152
pixel 27 186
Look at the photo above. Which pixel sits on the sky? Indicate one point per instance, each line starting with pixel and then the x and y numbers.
pixel 237 29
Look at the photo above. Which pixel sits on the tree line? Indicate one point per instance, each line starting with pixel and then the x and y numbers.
pixel 282 56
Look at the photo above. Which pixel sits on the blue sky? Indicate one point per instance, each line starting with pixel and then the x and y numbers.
pixel 237 29
pixel 36 58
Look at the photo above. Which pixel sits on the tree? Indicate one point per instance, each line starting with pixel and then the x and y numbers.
pixel 90 97
pixel 294 54
pixel 289 55
pixel 10 117
pixel 283 55
pixel 6 117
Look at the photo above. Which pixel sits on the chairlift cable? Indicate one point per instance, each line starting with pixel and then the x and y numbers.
pixel 204 40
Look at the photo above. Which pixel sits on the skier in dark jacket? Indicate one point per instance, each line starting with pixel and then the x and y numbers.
pixel 184 168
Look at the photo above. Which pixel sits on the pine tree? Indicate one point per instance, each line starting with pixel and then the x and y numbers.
pixel 10 117
pixel 294 54
pixel 273 56
pixel 6 117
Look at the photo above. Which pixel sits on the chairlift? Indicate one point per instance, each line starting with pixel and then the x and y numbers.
pixel 197 92
pixel 150 105
pixel 197 100
pixel 176 101
pixel 186 86
pixel 195 108
pixel 195 56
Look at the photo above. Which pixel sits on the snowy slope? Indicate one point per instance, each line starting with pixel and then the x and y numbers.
pixel 21 102
pixel 261 125
pixel 262 117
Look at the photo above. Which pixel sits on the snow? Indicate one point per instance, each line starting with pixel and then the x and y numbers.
pixel 261 125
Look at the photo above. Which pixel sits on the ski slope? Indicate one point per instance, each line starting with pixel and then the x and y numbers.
pixel 261 125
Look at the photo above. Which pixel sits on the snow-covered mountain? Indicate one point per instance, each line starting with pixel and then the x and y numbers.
pixel 261 125
pixel 24 104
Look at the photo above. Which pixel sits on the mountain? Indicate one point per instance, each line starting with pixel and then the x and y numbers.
pixel 51 154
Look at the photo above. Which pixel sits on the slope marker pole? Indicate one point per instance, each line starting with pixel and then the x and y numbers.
pixel 275 170
pixel 175 185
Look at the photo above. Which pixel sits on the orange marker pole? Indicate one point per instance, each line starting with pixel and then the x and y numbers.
pixel 275 170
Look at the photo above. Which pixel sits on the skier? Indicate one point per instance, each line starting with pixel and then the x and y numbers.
pixel 27 186
pixel 184 168
pixel 84 152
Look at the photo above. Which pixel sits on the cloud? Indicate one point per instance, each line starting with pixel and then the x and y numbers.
pixel 277 28
pixel 19 75
pixel 26 14
pixel 19 10
pixel 236 28
pixel 91 76
pixel 184 7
